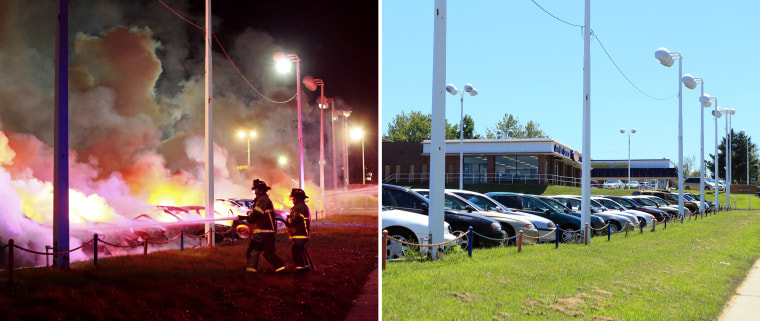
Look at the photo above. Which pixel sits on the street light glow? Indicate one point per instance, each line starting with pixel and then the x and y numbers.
pixel 282 160
pixel 357 133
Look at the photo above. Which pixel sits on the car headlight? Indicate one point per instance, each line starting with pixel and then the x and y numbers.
pixel 495 226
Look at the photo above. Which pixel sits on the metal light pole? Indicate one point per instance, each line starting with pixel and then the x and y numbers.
pixel 312 84
pixel 209 131
pixel 346 114
pixel 357 133
pixel 666 59
pixel 453 90
pixel 704 101
pixel 633 131
pixel 330 101
pixel 730 155
pixel 283 64
pixel 716 114
pixel 743 133
pixel 250 135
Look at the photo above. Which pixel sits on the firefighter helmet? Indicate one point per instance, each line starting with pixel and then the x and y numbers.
pixel 298 193
pixel 260 185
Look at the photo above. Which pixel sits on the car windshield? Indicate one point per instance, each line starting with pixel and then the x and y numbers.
pixel 534 204
pixel 611 204
pixel 694 196
pixel 451 202
pixel 709 180
pixel 554 203
pixel 481 201
pixel 659 201
pixel 625 202
pixel 689 197
pixel 646 201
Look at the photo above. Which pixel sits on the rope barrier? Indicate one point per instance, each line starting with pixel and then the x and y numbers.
pixel 164 242
pixel 123 246
pixel 601 228
pixel 51 253
pixel 488 238
pixel 427 245
pixel 540 237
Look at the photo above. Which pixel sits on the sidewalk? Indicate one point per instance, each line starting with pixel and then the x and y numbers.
pixel 744 305
pixel 366 307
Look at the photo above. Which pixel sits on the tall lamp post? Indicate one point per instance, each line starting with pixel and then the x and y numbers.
pixel 728 112
pixel 248 137
pixel 666 58
pixel 358 134
pixel 346 114
pixel 704 101
pixel 473 92
pixel 284 61
pixel 633 131
pixel 312 84
pixel 743 133
pixel 716 112
pixel 331 102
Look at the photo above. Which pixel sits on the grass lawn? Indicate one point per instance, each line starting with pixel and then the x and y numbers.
pixel 688 271
pixel 203 284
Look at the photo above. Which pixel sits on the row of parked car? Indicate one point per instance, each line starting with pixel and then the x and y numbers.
pixel 496 217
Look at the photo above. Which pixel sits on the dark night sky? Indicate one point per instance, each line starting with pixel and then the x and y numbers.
pixel 337 41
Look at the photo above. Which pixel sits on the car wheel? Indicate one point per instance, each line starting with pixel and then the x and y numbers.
pixel 510 234
pixel 687 188
pixel 395 250
pixel 464 241
pixel 614 227
pixel 570 234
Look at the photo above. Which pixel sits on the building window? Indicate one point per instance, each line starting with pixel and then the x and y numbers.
pixel 475 169
pixel 516 166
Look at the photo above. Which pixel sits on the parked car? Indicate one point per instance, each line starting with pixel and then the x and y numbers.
pixel 614 184
pixel 707 205
pixel 631 204
pixel 569 224
pixel 639 216
pixel 511 225
pixel 597 221
pixel 633 185
pixel 670 197
pixel 617 222
pixel 398 197
pixel 656 203
pixel 409 227
pixel 545 226
pixel 692 183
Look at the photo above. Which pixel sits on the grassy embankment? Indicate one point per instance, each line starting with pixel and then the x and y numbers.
pixel 685 272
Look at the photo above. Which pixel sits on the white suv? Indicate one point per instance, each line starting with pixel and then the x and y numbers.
pixel 614 183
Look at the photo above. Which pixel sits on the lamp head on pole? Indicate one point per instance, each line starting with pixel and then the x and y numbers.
pixel 633 130
pixel 717 112
pixel 622 130
pixel 690 81
pixel 705 100
pixel 664 56
pixel 731 111
pixel 346 113
pixel 282 61
pixel 452 89
pixel 742 132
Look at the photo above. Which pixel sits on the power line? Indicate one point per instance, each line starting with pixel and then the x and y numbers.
pixel 228 57
pixel 605 51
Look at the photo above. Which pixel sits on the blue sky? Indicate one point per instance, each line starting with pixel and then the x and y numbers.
pixel 527 63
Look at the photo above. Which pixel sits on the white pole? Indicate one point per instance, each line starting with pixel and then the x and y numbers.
pixel 438 129
pixel 334 155
pixel 586 161
pixel 715 159
pixel 629 159
pixel 322 150
pixel 364 175
pixel 461 141
pixel 702 175
pixel 728 161
pixel 209 227
pixel 680 140
pixel 300 124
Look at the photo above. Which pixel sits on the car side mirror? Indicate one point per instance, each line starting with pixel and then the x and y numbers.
pixel 425 207
pixel 548 211
pixel 469 208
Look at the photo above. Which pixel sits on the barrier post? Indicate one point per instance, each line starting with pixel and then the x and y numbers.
pixel 470 239
pixel 608 231
pixel 556 238
pixel 654 224
pixel 519 242
pixel 145 247
pixel 210 235
pixel 641 226
pixel 10 261
pixel 585 234
pixel 666 224
pixel 47 257
pixel 385 247
pixel 626 229
pixel 232 235
pixel 95 250
pixel 182 239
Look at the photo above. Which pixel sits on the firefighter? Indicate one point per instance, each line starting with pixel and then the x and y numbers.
pixel 299 223
pixel 261 217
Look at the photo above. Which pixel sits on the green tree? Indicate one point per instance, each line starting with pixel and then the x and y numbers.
pixel 739 144
pixel 511 124
pixel 412 127
pixel 452 131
